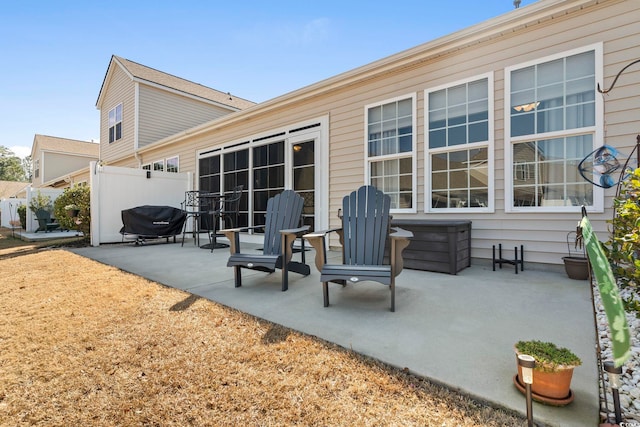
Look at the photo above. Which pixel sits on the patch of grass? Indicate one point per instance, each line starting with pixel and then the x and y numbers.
pixel 11 245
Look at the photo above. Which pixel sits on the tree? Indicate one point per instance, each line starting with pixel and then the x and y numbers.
pixel 11 168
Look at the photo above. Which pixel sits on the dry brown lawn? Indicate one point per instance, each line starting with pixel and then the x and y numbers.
pixel 84 344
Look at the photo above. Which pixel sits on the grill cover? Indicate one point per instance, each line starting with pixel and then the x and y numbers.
pixel 153 221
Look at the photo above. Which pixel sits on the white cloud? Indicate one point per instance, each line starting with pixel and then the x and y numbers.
pixel 21 151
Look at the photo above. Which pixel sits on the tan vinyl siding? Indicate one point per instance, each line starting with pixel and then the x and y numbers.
pixel 164 113
pixel 120 90
pixel 57 165
pixel 612 23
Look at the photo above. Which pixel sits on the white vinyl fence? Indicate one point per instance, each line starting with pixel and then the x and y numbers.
pixel 114 189
pixel 9 207
pixel 52 193
pixel 9 211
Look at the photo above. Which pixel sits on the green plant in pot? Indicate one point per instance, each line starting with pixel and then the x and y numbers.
pixel 553 372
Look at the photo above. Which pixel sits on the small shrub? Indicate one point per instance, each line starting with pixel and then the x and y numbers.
pixel 22 214
pixel 80 197
pixel 39 201
pixel 549 357
pixel 623 247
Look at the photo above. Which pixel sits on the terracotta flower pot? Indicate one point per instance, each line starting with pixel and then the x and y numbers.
pixel 73 213
pixel 553 385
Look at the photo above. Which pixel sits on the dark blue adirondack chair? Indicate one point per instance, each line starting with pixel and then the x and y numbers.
pixel 364 233
pixel 282 227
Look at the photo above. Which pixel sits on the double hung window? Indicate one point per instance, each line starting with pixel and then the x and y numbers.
pixel 390 159
pixel 550 127
pixel 115 123
pixel 458 145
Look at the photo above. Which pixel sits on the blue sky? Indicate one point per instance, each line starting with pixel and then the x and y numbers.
pixel 55 54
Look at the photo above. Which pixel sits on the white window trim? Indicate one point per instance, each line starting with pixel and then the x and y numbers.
pixel 412 153
pixel 490 146
pixel 114 125
pixel 146 166
pixel 166 163
pixel 598 131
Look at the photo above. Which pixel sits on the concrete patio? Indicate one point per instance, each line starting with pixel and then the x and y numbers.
pixel 457 330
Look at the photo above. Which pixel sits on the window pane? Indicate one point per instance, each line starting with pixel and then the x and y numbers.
pixel 389 111
pixel 457 115
pixel 479 132
pixel 457 135
pixel 375 114
pixel 437 138
pixel 405 108
pixel 550 72
pixel 550 120
pixel 406 166
pixel 522 124
pixel 581 65
pixel 439 162
pixel 437 100
pixel 522 79
pixel 581 116
pixel 260 156
pixel 437 119
pixel 457 95
pixel 478 90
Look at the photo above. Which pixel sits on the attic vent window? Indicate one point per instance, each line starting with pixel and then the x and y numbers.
pixel 115 123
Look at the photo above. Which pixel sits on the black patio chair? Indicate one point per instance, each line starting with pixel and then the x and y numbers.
pixel 364 233
pixel 281 229
pixel 227 209
pixel 195 207
pixel 45 222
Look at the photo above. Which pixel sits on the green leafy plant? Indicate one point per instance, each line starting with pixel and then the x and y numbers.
pixel 39 201
pixel 78 197
pixel 22 214
pixel 549 357
pixel 623 247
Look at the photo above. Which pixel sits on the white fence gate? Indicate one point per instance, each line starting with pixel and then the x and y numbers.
pixel 114 189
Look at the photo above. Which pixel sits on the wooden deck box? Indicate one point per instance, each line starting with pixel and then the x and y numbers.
pixel 437 245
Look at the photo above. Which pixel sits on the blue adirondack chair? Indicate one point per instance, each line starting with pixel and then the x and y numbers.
pixel 280 231
pixel 364 234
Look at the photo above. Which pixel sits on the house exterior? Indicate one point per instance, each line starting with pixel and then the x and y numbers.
pixel 140 105
pixel 55 160
pixel 12 189
pixel 487 124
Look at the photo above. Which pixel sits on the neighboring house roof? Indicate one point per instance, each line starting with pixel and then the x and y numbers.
pixel 11 188
pixel 144 74
pixel 65 145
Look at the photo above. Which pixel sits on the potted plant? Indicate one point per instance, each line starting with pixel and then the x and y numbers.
pixel 553 372
pixel 72 210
